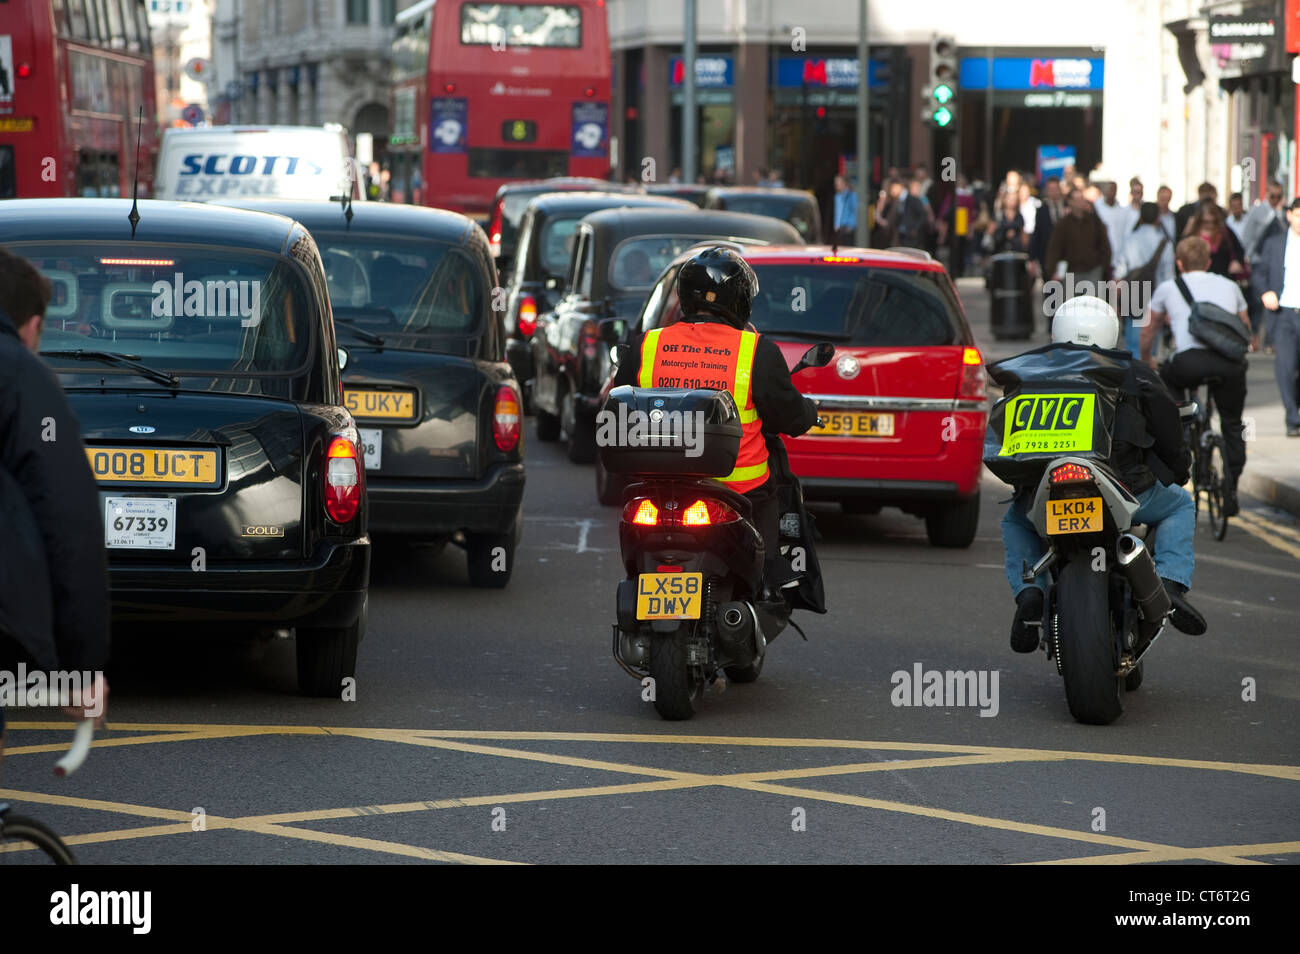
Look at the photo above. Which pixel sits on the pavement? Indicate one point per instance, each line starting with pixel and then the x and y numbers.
pixel 1272 471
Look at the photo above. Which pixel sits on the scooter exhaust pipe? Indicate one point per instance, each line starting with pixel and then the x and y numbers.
pixel 736 631
pixel 1140 570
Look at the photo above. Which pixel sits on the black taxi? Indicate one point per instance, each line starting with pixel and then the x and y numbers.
pixel 197 352
pixel 418 315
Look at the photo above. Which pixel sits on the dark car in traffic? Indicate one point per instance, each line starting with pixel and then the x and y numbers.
pixel 197 353
pixel 696 193
pixel 425 377
pixel 546 233
pixel 617 257
pixel 789 205
pixel 512 198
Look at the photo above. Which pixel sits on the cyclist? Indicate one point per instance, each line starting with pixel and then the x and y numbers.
pixel 53 577
pixel 716 288
pixel 1149 454
pixel 1192 363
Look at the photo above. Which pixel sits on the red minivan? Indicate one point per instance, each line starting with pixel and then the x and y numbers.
pixel 903 402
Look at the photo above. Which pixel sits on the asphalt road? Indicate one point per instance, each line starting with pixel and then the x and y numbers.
pixel 494 726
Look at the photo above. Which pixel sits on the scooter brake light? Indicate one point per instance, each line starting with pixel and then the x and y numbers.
pixel 1070 474
pixel 645 515
pixel 696 515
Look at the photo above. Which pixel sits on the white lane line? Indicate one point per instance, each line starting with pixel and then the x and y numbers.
pixel 583 529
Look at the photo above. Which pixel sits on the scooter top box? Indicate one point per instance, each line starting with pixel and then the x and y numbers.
pixel 668 431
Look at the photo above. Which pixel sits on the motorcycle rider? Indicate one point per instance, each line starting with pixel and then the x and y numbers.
pixel 1149 455
pixel 716 288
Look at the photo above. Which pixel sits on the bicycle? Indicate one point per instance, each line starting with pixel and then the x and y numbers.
pixel 1209 470
pixel 19 831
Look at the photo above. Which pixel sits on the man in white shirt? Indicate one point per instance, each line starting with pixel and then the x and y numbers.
pixel 1278 281
pixel 1236 219
pixel 1115 217
pixel 1192 362
pixel 1165 195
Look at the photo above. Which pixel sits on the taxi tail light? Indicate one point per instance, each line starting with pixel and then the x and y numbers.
pixel 590 340
pixel 505 419
pixel 494 230
pixel 973 378
pixel 642 512
pixel 344 480
pixel 527 315
pixel 1070 474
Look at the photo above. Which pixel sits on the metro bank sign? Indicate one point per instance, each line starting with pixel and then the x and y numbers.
pixel 1032 73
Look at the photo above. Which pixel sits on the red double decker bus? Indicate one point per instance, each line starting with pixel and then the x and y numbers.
pixel 511 91
pixel 73 75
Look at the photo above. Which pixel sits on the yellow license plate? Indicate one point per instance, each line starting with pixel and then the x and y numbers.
pixel 1081 515
pixel 16 124
pixel 387 405
pixel 148 465
pixel 669 595
pixel 855 424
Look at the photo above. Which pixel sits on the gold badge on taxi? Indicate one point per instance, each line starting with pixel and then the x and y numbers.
pixel 149 465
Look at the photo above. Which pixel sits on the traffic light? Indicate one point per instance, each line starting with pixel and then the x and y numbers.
pixel 940 94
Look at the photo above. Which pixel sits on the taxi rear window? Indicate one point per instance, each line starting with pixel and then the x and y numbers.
pixel 186 309
pixel 410 292
pixel 862 307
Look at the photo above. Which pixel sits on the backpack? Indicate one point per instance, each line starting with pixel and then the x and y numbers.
pixel 1217 328
pixel 1147 272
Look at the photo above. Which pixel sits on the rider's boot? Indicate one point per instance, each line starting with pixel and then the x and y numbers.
pixel 1184 615
pixel 1029 609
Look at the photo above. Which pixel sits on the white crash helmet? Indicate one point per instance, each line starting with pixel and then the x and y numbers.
pixel 1085 320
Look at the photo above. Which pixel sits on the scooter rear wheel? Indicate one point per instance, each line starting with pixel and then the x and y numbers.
pixel 675 687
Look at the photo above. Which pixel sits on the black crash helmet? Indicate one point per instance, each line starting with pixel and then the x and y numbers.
pixel 717 280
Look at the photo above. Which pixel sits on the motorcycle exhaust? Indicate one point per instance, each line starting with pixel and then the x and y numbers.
pixel 1140 570
pixel 736 631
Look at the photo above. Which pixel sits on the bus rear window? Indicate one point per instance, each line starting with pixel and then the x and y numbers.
pixel 518 163
pixel 520 24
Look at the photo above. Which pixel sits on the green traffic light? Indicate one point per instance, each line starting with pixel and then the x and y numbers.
pixel 942 116
pixel 943 93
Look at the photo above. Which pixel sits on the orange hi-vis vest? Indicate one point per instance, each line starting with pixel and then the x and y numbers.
pixel 710 355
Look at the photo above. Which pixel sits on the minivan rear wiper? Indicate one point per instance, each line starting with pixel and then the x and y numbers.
pixel 362 333
pixel 130 361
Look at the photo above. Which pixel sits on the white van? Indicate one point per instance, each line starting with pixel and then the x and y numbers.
pixel 283 162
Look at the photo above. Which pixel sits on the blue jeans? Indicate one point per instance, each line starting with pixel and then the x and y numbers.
pixel 1133 338
pixel 1166 509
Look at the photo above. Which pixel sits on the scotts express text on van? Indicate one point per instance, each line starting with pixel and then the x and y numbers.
pixel 239 174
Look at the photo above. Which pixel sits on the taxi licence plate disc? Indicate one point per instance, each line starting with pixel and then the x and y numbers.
pixel 388 405
pixel 140 523
pixel 669 595
pixel 372 446
pixel 855 424
pixel 1080 515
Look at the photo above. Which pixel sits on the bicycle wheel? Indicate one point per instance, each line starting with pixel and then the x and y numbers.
pixel 1215 476
pixel 16 831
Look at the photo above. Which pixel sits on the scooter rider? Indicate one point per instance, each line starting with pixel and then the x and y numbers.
pixel 716 288
pixel 1149 455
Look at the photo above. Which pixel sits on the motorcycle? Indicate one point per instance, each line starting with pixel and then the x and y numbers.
pixel 1106 605
pixel 694 605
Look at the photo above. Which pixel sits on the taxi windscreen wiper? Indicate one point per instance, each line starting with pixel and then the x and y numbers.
pixel 129 361
pixel 367 336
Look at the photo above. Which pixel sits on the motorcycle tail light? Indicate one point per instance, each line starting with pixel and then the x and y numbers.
pixel 1070 474
pixel 707 512
pixel 344 480
pixel 643 513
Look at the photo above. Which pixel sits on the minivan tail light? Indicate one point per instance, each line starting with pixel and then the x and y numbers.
pixel 527 315
pixel 505 419
pixel 344 480
pixel 973 378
